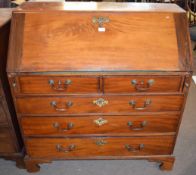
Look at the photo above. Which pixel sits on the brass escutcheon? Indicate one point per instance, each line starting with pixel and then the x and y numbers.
pixel 100 102
pixel 100 20
pixel 100 121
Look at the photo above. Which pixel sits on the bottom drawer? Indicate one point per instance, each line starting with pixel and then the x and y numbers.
pixel 99 146
pixel 6 145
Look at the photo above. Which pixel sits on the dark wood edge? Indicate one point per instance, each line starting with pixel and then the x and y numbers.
pixel 106 135
pixel 186 87
pixel 165 162
pixel 96 95
pixel 98 114
pixel 98 73
pixel 15 41
pixel 183 41
pixel 91 114
pixel 32 165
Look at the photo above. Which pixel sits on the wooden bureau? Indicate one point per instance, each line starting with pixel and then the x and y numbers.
pixel 99 80
pixel 10 138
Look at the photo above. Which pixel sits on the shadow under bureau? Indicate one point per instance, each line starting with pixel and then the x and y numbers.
pixel 99 80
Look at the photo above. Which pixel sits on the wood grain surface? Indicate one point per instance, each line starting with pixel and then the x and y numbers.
pixel 81 47
pixel 43 147
pixel 90 90
pixel 123 84
pixel 40 84
pixel 115 125
pixel 116 104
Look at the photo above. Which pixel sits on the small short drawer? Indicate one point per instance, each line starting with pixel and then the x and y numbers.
pixel 128 84
pixel 89 147
pixel 98 104
pixel 57 84
pixel 6 145
pixel 114 125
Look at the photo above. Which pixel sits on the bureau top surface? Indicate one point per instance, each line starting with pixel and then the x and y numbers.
pixel 99 6
pixel 81 36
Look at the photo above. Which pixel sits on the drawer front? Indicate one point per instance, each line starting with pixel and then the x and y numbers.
pixel 98 104
pixel 128 84
pixel 60 126
pixel 90 147
pixel 2 113
pixel 58 84
pixel 6 145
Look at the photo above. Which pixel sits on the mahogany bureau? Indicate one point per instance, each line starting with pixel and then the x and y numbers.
pixel 99 80
pixel 10 138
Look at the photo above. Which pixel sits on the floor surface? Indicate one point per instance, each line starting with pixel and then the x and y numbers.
pixel 185 152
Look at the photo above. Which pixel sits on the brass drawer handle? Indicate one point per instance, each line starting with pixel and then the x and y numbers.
pixel 55 106
pixel 100 121
pixel 140 86
pixel 70 148
pixel 130 148
pixel 142 126
pixel 100 102
pixel 146 103
pixel 58 126
pixel 60 86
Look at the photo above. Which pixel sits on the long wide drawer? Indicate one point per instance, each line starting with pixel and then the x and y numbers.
pixel 129 84
pixel 98 104
pixel 58 84
pixel 59 126
pixel 89 147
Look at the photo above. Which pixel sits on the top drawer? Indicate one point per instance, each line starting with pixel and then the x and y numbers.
pixel 58 84
pixel 52 84
pixel 143 83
